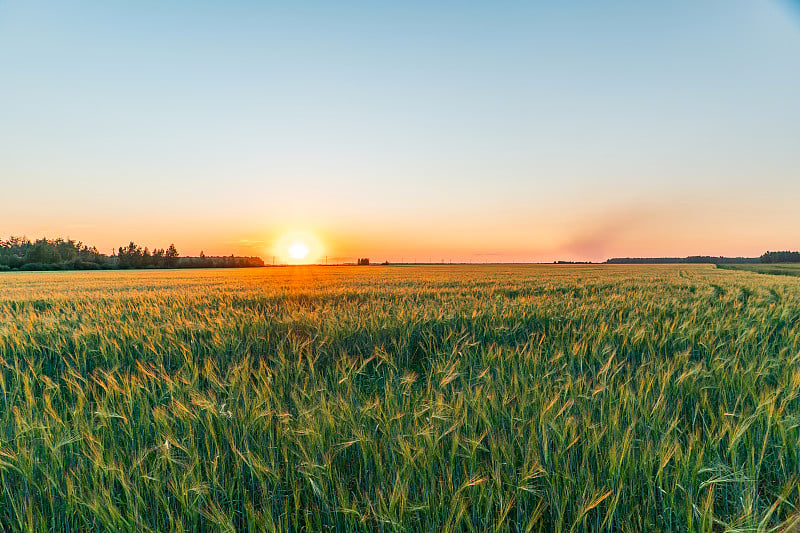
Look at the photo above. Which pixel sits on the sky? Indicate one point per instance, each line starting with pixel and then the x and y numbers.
pixel 455 131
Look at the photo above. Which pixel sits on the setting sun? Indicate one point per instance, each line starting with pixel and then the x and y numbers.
pixel 298 247
pixel 298 250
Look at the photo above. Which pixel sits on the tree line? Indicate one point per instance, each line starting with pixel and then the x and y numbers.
pixel 133 256
pixel 20 253
pixel 781 257
pixel 768 257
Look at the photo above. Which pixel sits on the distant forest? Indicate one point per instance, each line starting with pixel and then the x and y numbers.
pixel 781 257
pixel 19 253
pixel 769 257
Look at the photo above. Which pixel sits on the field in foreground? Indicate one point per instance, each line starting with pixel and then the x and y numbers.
pixel 524 398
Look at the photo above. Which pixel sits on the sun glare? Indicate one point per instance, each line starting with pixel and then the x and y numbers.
pixel 298 250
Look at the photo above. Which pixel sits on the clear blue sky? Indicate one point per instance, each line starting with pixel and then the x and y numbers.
pixel 463 130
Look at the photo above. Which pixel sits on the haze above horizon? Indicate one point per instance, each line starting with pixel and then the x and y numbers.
pixel 501 131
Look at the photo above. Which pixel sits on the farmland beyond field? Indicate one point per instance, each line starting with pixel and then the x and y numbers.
pixel 480 398
pixel 780 269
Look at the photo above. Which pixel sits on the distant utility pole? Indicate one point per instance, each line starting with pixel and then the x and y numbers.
pixel 273 260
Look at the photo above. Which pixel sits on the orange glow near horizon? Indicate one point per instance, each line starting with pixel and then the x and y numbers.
pixel 642 227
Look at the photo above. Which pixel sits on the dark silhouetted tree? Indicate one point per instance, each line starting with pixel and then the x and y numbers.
pixel 171 256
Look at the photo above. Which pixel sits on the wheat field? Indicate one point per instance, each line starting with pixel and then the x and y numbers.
pixel 446 398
